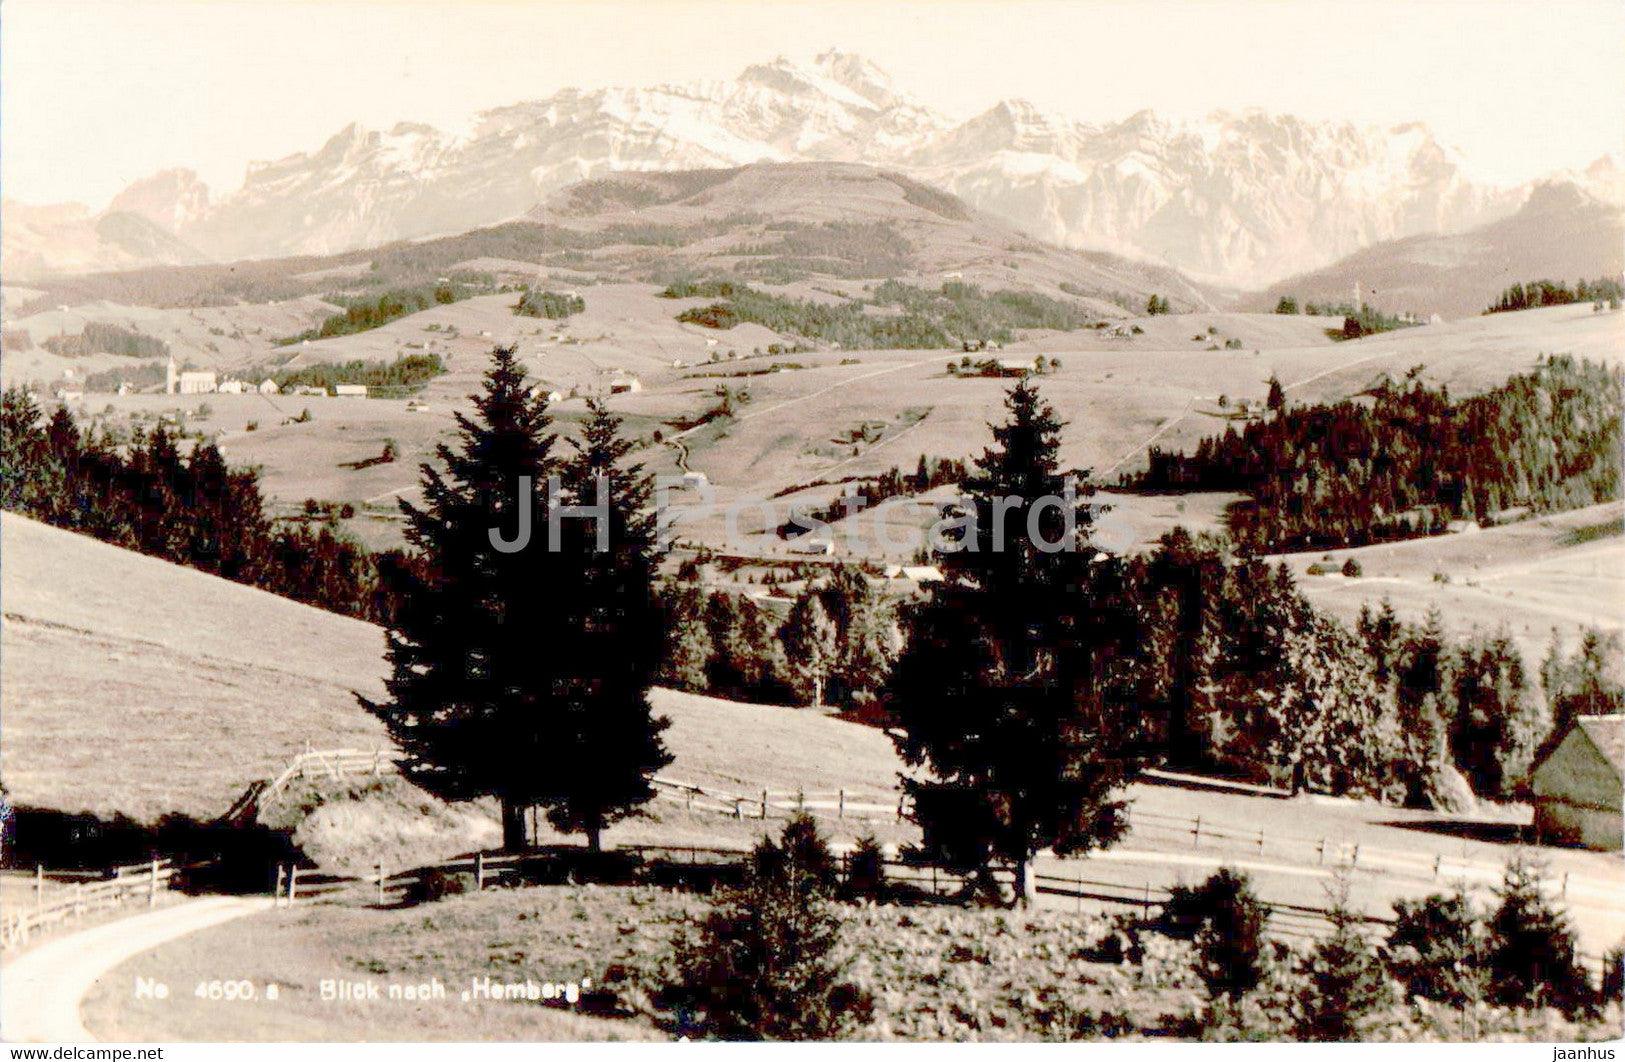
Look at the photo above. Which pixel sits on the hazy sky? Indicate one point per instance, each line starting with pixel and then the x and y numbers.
pixel 96 94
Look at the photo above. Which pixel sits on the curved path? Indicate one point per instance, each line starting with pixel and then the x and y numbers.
pixel 41 990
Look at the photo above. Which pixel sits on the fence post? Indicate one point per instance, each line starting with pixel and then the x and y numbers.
pixel 801 798
pixel 377 762
pixel 152 885
pixel 479 871
pixel 688 800
pixel 1565 893
pixel 276 894
pixel 1261 840
pixel 1145 904
pixel 293 883
pixel 1355 860
pixel 933 879
pixel 1196 834
pixel 1080 890
pixel 1437 860
pixel 900 799
pixel 1320 852
pixel 764 803
pixel 380 883
pixel 39 887
pixel 840 806
pixel 739 809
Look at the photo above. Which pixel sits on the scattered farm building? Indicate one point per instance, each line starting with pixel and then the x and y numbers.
pixel 626 385
pixel 1578 784
pixel 812 546
pixel 232 387
pixel 268 387
pixel 694 480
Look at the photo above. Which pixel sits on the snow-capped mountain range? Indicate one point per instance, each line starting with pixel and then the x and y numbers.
pixel 1242 199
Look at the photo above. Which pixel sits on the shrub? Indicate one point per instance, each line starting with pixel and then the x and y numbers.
pixel 765 962
pixel 1226 920
pixel 1613 975
pixel 866 868
pixel 436 884
pixel 1352 569
pixel 1436 949
pixel 1532 956
pixel 1343 983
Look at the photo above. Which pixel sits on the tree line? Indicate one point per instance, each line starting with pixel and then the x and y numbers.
pixel 365 312
pixel 550 304
pixel 100 337
pixel 922 319
pixel 189 507
pixel 1404 459
pixel 404 374
pixel 834 645
pixel 1535 293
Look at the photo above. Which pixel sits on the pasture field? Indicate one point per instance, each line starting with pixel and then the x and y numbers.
pixel 1562 572
pixel 830 415
pixel 136 686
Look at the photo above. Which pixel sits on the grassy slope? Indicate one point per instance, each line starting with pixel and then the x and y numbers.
pixel 134 685
pixel 1562 571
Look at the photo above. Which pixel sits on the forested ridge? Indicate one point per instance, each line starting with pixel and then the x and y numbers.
pixel 1403 459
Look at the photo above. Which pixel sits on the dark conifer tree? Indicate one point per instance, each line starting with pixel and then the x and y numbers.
pixel 1001 692
pixel 473 695
pixel 607 739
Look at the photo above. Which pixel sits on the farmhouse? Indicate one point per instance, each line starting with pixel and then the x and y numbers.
pixel 1005 367
pixel 350 390
pixel 626 385
pixel 232 387
pixel 268 387
pixel 1578 784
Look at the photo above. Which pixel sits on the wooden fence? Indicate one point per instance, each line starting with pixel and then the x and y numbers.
pixel 339 764
pixel 118 885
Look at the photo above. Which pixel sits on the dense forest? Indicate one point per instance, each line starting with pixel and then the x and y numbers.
pixel 101 338
pixel 1237 672
pixel 405 375
pixel 1229 670
pixel 894 316
pixel 365 312
pixel 1546 293
pixel 550 304
pixel 189 508
pixel 1404 459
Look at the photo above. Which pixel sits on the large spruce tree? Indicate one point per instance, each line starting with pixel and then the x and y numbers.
pixel 520 673
pixel 608 738
pixel 1001 694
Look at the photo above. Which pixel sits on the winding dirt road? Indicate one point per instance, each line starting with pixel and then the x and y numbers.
pixel 42 989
